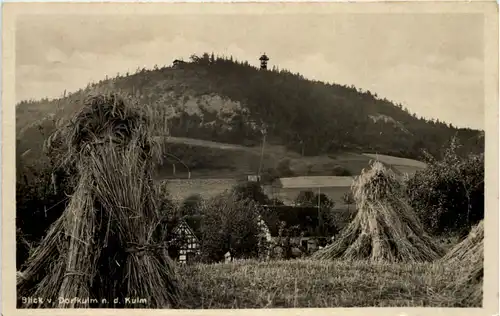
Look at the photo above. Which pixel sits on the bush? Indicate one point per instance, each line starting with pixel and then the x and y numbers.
pixel 230 223
pixel 448 195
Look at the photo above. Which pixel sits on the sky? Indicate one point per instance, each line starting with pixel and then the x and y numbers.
pixel 431 63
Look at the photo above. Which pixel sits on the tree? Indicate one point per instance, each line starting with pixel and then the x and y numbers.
pixel 348 199
pixel 306 198
pixel 309 198
pixel 449 194
pixel 41 197
pixel 229 224
pixel 268 175
pixel 251 191
pixel 324 201
pixel 284 169
pixel 191 205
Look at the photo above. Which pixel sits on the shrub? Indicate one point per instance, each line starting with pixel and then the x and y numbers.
pixel 448 195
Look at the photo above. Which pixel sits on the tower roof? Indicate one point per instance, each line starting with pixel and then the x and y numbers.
pixel 264 57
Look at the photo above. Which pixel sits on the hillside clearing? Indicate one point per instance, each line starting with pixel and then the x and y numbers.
pixel 402 165
pixel 398 161
pixel 207 143
pixel 307 283
pixel 233 160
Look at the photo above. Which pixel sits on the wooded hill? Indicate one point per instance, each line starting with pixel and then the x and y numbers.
pixel 224 100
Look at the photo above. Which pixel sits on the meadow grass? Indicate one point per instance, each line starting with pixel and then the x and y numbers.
pixel 307 283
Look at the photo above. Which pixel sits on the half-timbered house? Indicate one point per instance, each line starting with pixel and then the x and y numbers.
pixel 189 245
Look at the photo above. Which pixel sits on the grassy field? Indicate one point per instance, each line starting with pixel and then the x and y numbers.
pixel 180 189
pixel 230 160
pixel 225 163
pixel 402 165
pixel 307 283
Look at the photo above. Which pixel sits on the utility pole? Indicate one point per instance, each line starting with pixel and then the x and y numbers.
pixel 264 133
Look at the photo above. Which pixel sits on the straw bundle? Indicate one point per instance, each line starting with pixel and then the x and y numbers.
pixel 468 256
pixel 385 227
pixel 105 245
pixel 471 248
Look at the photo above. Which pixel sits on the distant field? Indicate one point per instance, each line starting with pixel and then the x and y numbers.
pixel 403 165
pixel 206 143
pixel 307 283
pixel 224 164
pixel 240 159
pixel 207 188
pixel 391 160
pixel 235 160
pixel 290 195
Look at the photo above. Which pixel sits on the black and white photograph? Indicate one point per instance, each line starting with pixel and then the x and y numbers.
pixel 251 156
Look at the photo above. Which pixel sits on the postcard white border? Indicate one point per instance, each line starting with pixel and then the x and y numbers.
pixel 490 11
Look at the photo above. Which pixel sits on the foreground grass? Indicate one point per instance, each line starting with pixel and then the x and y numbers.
pixel 306 283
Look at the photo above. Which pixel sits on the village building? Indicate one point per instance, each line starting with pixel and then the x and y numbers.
pixel 253 178
pixel 189 246
pixel 307 224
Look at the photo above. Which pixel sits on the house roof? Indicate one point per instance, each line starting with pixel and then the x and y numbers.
pixel 185 225
pixel 314 182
